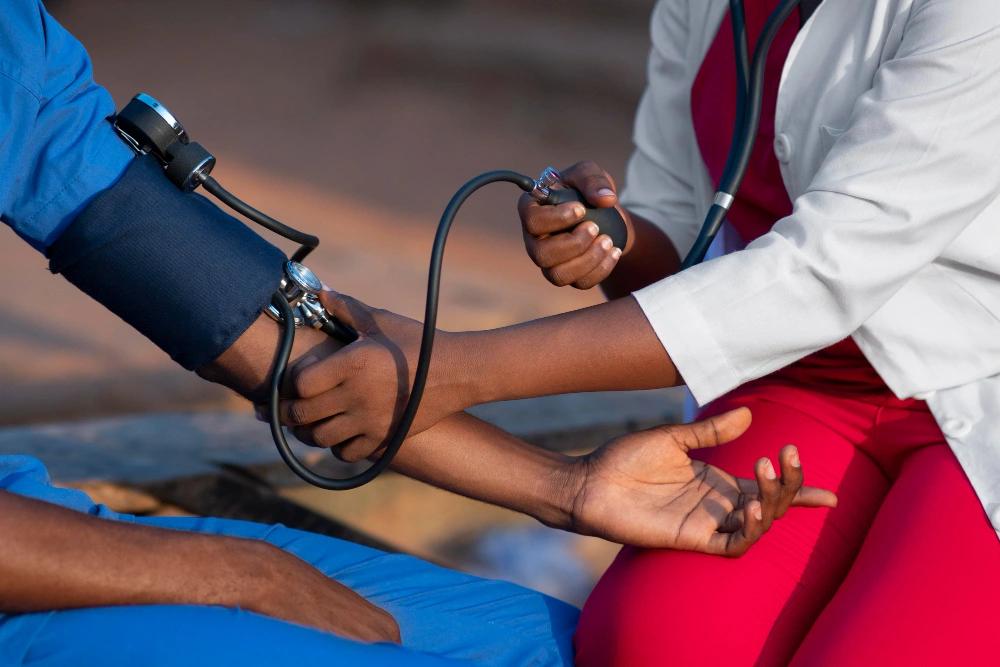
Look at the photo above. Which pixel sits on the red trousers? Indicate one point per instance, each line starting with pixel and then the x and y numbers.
pixel 904 571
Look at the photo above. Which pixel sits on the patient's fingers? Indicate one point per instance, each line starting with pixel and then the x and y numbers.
pixel 735 544
pixel 807 496
pixel 791 478
pixel 732 521
pixel 770 490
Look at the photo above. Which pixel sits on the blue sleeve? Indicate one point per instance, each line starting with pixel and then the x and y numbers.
pixel 57 148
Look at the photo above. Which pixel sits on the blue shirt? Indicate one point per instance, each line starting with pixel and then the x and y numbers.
pixel 57 151
pixel 57 148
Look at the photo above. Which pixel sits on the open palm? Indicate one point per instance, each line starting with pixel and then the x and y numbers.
pixel 644 490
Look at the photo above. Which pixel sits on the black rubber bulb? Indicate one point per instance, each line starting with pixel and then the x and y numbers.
pixel 608 220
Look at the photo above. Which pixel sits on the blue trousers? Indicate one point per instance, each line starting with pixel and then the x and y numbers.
pixel 445 617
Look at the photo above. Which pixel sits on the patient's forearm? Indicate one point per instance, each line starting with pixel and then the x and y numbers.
pixel 246 366
pixel 608 347
pixel 56 558
pixel 469 457
pixel 461 454
pixel 53 558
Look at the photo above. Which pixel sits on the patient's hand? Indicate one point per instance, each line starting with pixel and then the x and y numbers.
pixel 643 489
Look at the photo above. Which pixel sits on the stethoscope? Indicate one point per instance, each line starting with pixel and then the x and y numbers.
pixel 148 127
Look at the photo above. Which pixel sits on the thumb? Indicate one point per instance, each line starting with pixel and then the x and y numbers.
pixel 713 431
pixel 347 309
pixel 593 182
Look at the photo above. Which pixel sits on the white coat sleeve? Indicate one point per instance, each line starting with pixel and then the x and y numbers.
pixel 917 164
pixel 658 183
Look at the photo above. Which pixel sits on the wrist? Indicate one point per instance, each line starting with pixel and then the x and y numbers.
pixel 558 499
pixel 460 373
pixel 246 366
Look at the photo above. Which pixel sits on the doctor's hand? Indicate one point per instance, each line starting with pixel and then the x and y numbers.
pixel 642 489
pixel 350 401
pixel 581 257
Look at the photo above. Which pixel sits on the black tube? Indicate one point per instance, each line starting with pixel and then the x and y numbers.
pixel 738 19
pixel 335 329
pixel 261 219
pixel 423 361
pixel 736 167
pixel 302 253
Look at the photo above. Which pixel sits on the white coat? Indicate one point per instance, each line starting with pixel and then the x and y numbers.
pixel 888 135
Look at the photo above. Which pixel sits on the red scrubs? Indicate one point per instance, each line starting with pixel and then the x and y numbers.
pixel 904 571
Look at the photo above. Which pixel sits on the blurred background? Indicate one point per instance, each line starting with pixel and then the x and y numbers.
pixel 354 120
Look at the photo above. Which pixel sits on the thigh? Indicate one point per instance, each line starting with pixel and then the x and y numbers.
pixel 925 585
pixel 167 636
pixel 656 607
pixel 440 611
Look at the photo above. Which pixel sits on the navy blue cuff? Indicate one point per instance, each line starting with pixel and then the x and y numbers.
pixel 185 274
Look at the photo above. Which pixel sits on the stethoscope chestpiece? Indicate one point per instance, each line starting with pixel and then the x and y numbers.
pixel 301 289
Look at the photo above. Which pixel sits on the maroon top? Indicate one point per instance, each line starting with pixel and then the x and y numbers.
pixel 763 199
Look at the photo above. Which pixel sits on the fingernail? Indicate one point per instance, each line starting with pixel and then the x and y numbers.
pixel 617 253
pixel 259 415
pixel 605 192
pixel 593 229
pixel 607 243
pixel 794 458
pixel 579 211
pixel 769 470
pixel 756 511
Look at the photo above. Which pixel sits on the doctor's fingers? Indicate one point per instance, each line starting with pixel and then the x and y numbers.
pixel 594 183
pixel 603 270
pixel 340 434
pixel 304 411
pixel 568 273
pixel 549 251
pixel 358 315
pixel 311 380
pixel 540 219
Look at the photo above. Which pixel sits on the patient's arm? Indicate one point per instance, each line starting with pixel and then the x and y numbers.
pixel 640 489
pixel 56 558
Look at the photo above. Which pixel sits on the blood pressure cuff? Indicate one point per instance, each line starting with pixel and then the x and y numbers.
pixel 185 274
